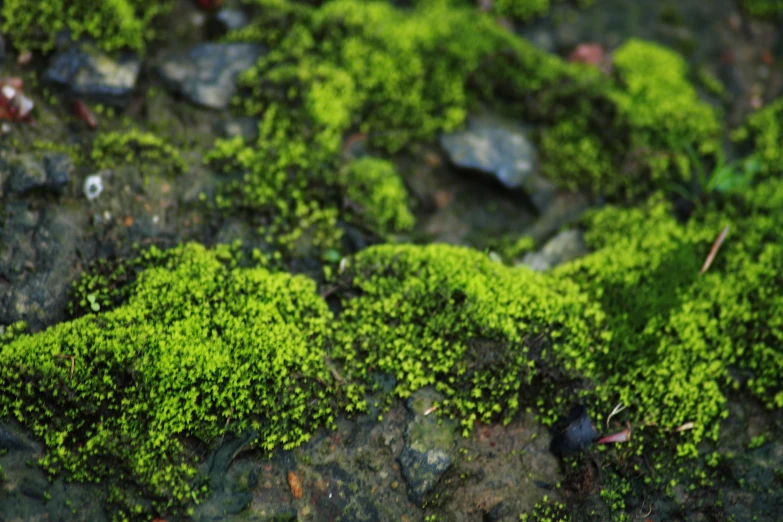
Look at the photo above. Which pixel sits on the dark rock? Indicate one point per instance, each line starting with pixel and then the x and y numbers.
pixel 58 171
pixel 206 75
pixel 85 72
pixel 494 146
pixel 578 434
pixel 565 208
pixel 9 441
pixel 231 485
pixel 564 247
pixel 347 499
pixel 39 259
pixel 24 173
pixel 429 446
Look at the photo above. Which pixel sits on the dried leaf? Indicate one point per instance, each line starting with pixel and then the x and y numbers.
pixel 296 486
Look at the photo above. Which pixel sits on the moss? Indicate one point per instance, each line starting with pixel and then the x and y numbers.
pixel 452 318
pixel 113 24
pixel 763 131
pixel 526 9
pixel 648 118
pixel 678 339
pixel 199 349
pixel 110 149
pixel 763 8
pixel 547 511
pixel 375 191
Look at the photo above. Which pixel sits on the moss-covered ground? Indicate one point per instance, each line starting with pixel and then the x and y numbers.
pixel 168 351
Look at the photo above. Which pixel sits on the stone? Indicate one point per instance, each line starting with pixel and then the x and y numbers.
pixel 564 247
pixel 495 146
pixel 429 446
pixel 244 126
pixel 84 72
pixel 578 433
pixel 58 171
pixel 206 74
pixel 24 173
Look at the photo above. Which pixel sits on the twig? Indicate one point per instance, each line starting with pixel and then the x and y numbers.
pixel 73 362
pixel 714 251
pixel 228 420
pixel 640 515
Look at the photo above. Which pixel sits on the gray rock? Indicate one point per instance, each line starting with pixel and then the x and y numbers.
pixel 229 19
pixel 58 171
pixel 25 172
pixel 245 126
pixel 429 446
pixel 206 75
pixel 39 259
pixel 495 146
pixel 85 72
pixel 564 247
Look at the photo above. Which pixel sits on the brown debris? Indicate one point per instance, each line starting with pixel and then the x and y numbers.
pixel 295 484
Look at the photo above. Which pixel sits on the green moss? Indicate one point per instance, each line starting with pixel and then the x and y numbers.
pixel 199 349
pixel 678 339
pixel 547 511
pixel 647 119
pixel 763 131
pixel 113 24
pixel 376 194
pixel 763 8
pixel 452 318
pixel 527 9
pixel 110 149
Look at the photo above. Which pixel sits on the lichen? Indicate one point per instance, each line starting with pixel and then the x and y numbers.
pixel 113 24
pixel 198 350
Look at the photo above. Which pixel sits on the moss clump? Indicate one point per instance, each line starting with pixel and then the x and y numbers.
pixel 527 9
pixel 764 132
pixel 110 149
pixel 763 7
pixel 198 350
pixel 678 339
pixel 450 317
pixel 376 194
pixel 653 113
pixel 113 24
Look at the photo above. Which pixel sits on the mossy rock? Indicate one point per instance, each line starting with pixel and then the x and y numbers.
pixel 198 350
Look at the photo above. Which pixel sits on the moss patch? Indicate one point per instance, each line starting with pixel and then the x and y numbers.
pixel 110 149
pixel 113 24
pixel 763 131
pixel 199 349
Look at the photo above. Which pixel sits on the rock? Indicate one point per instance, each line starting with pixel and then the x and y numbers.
pixel 85 72
pixel 231 485
pixel 565 208
pixel 228 18
pixel 39 259
pixel 206 75
pixel 246 127
pixel 9 441
pixel 578 434
pixel 58 171
pixel 499 147
pixel 429 446
pixel 24 173
pixel 564 247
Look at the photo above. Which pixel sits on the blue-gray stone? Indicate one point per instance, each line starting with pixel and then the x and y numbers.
pixel 206 75
pixel 85 72
pixel 494 146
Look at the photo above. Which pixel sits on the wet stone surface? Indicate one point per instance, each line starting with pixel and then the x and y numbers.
pixel 207 73
pixel 84 72
pixel 429 445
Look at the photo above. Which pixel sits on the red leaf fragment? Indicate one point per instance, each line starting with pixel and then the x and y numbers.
pixel 82 112
pixel 589 53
